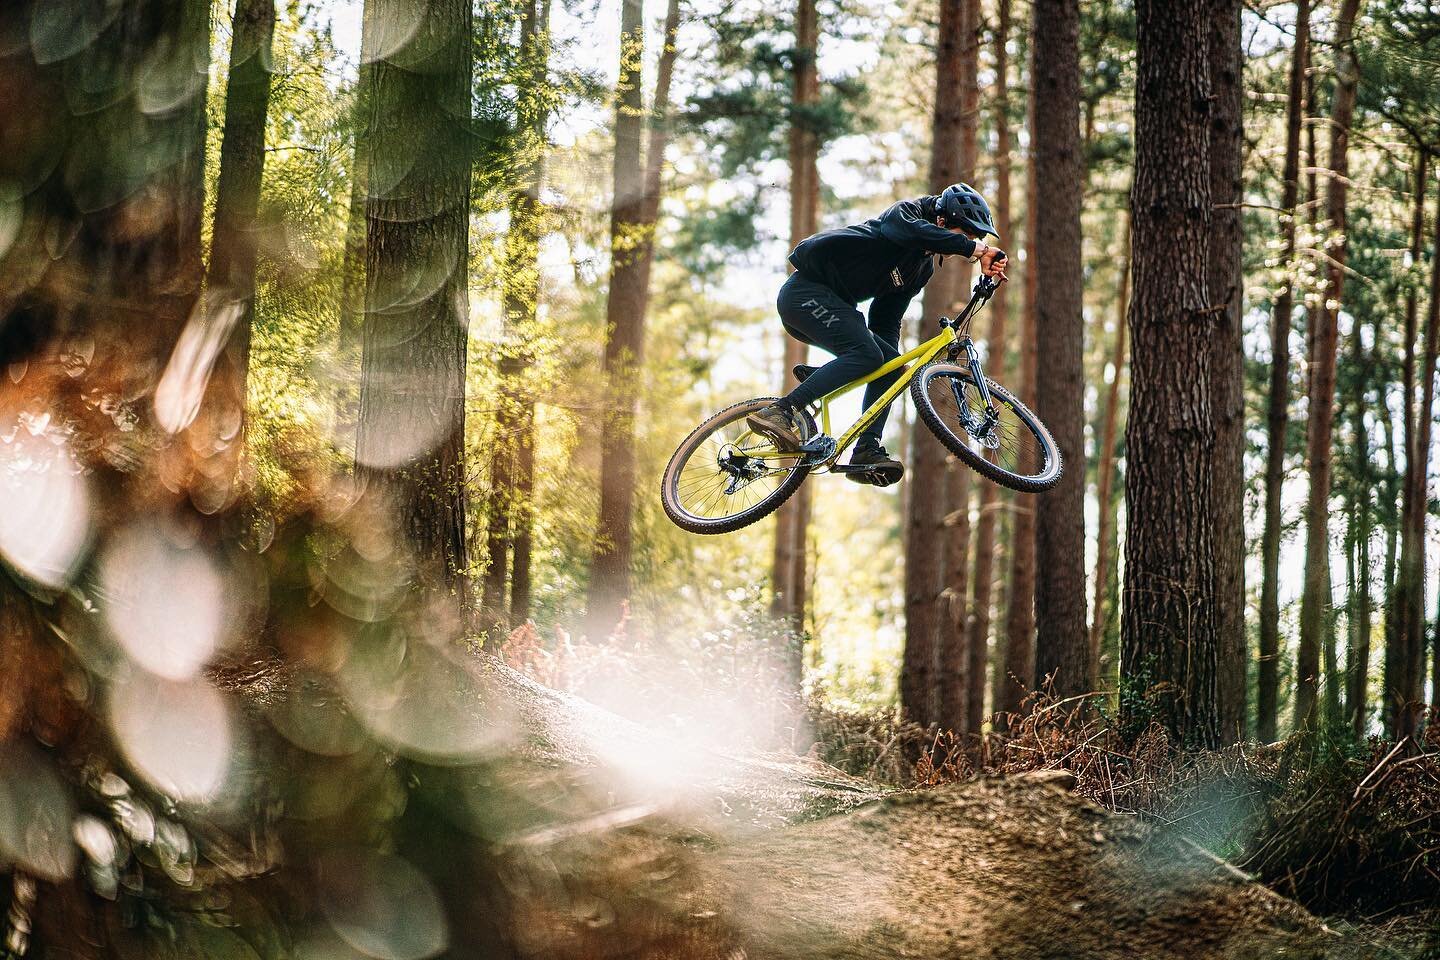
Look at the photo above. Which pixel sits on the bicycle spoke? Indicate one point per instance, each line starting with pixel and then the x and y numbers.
pixel 723 477
pixel 1012 447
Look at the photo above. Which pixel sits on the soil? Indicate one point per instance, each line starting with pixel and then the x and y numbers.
pixel 616 842
pixel 768 858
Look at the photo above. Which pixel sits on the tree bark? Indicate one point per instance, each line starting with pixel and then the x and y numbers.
pixel 1357 660
pixel 411 438
pixel 230 281
pixel 1018 674
pixel 991 504
pixel 926 534
pixel 609 589
pixel 1226 288
pixel 1169 628
pixel 1268 674
pixel 793 519
pixel 1405 644
pixel 512 459
pixel 1315 601
pixel 1400 609
pixel 1061 645
pixel 1105 472
pixel 352 281
pixel 962 668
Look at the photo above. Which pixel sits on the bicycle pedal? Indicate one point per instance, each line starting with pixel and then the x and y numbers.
pixel 817 449
pixel 868 473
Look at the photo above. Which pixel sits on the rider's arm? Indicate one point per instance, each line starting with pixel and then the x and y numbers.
pixel 904 225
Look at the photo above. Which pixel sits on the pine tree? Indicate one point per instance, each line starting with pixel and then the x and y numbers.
pixel 1315 601
pixel 925 541
pixel 230 280
pixel 1268 684
pixel 991 505
pixel 1061 644
pixel 512 460
pixel 1226 291
pixel 1169 642
pixel 793 519
pixel 410 443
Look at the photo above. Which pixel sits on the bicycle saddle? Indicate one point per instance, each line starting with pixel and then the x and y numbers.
pixel 802 371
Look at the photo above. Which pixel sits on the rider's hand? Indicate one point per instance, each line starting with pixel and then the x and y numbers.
pixel 993 263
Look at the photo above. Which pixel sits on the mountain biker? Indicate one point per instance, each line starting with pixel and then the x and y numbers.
pixel 886 260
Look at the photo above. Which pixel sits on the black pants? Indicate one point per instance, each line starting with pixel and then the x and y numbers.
pixel 813 313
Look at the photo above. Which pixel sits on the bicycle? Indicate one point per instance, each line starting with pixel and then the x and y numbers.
pixel 725 476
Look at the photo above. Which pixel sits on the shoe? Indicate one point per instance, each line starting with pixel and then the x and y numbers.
pixel 779 424
pixel 870 463
pixel 802 371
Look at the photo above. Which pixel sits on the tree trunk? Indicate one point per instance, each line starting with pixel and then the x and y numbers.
pixel 1226 289
pixel 926 534
pixel 230 281
pixel 352 281
pixel 512 459
pixel 1405 645
pixel 609 589
pixel 1169 629
pixel 962 669
pixel 411 439
pixel 1399 613
pixel 793 519
pixel 1357 660
pixel 632 244
pixel 1315 601
pixel 1268 682
pixel 991 504
pixel 1061 645
pixel 1105 472
pixel 1392 493
pixel 1019 663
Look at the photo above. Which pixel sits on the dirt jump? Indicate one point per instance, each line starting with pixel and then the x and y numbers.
pixel 736 857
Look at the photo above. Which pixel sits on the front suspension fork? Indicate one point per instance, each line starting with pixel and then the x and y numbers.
pixel 972 357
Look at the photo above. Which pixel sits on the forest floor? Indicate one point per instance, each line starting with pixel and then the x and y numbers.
pixel 627 844
pixel 772 857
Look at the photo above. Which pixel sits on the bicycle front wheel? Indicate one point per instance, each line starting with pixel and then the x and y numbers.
pixel 1010 446
pixel 726 476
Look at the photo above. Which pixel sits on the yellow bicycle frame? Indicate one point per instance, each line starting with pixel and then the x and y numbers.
pixel 920 356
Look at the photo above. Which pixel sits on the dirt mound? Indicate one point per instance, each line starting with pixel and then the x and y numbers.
pixel 1013 868
pixel 619 842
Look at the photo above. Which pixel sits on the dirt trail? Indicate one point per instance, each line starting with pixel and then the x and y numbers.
pixel 1011 869
pixel 608 840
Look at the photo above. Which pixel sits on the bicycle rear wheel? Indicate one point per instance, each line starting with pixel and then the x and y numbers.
pixel 1012 448
pixel 725 476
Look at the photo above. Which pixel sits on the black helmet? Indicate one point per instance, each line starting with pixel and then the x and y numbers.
pixel 962 206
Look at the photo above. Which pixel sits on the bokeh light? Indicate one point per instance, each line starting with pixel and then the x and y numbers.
pixel 182 387
pixel 45 524
pixel 163 600
pixel 382 906
pixel 416 698
pixel 177 735
pixel 36 810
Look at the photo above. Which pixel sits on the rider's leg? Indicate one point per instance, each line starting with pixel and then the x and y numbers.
pixel 813 313
pixel 887 336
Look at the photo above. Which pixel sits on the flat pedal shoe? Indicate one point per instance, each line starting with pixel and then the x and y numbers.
pixel 872 465
pixel 779 424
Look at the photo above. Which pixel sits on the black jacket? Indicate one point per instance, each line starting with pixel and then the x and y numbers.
pixel 888 258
